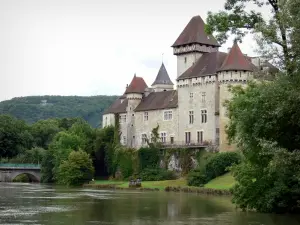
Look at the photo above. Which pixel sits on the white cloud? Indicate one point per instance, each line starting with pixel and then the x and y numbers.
pixel 89 47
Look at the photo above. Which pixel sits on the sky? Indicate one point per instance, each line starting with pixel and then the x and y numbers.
pixel 91 47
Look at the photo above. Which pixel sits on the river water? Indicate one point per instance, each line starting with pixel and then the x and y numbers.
pixel 42 204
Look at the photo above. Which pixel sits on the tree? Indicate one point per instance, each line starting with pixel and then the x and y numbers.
pixel 82 129
pixel 43 132
pixel 275 36
pixel 264 122
pixel 77 169
pixel 15 136
pixel 154 139
pixel 47 165
pixel 103 156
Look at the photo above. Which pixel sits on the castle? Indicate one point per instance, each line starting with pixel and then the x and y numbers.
pixel 193 115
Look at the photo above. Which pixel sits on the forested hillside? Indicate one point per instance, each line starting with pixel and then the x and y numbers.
pixel 34 108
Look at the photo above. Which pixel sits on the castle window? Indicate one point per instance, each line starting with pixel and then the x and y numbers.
pixel 144 139
pixel 106 121
pixel 191 95
pixel 163 137
pixel 185 60
pixel 191 117
pixel 199 137
pixel 203 116
pixel 187 137
pixel 124 140
pixel 172 140
pixel 146 116
pixel 203 97
pixel 168 115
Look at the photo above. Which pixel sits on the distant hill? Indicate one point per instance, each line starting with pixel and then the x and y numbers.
pixel 34 108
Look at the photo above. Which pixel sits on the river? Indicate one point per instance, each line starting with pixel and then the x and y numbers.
pixel 43 204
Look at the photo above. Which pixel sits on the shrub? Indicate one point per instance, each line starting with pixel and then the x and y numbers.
pixel 77 169
pixel 126 161
pixel 148 158
pixel 152 174
pixel 217 165
pixel 196 178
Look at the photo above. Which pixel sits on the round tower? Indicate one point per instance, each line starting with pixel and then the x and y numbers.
pixel 235 70
pixel 134 94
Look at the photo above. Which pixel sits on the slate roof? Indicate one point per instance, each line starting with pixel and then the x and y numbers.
pixel 137 85
pixel 118 106
pixel 162 76
pixel 208 64
pixel 236 60
pixel 159 100
pixel 194 33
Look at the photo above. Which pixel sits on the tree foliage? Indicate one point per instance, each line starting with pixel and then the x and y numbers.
pixel 76 170
pixel 15 136
pixel 264 122
pixel 43 132
pixel 276 35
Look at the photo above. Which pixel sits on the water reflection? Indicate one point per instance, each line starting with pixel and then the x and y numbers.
pixel 38 204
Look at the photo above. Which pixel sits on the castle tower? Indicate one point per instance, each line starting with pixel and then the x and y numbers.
pixel 162 81
pixel 192 43
pixel 235 70
pixel 134 94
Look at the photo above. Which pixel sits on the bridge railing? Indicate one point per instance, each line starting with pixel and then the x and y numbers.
pixel 15 165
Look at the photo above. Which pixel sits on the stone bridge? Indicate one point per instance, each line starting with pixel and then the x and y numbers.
pixel 10 171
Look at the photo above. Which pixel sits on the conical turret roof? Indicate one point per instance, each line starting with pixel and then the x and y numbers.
pixel 194 32
pixel 236 60
pixel 162 77
pixel 137 85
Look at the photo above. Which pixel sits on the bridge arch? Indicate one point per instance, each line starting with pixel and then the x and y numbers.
pixel 32 175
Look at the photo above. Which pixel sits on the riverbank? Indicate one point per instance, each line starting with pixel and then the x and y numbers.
pixel 219 186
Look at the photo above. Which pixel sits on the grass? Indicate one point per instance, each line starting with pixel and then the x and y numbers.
pixel 224 182
pixel 147 184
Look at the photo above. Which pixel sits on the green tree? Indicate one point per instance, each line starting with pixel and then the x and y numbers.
pixel 86 133
pixel 15 136
pixel 43 132
pixel 47 167
pixel 275 35
pixel 264 122
pixel 62 145
pixel 77 169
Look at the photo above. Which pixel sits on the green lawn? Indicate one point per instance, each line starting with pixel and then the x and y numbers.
pixel 147 184
pixel 223 182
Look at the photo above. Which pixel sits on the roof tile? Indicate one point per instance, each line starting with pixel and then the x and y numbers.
pixel 137 85
pixel 194 33
pixel 162 76
pixel 236 60
pixel 159 100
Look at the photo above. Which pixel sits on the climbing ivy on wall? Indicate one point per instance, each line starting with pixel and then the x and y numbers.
pixel 117 129
pixel 148 158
